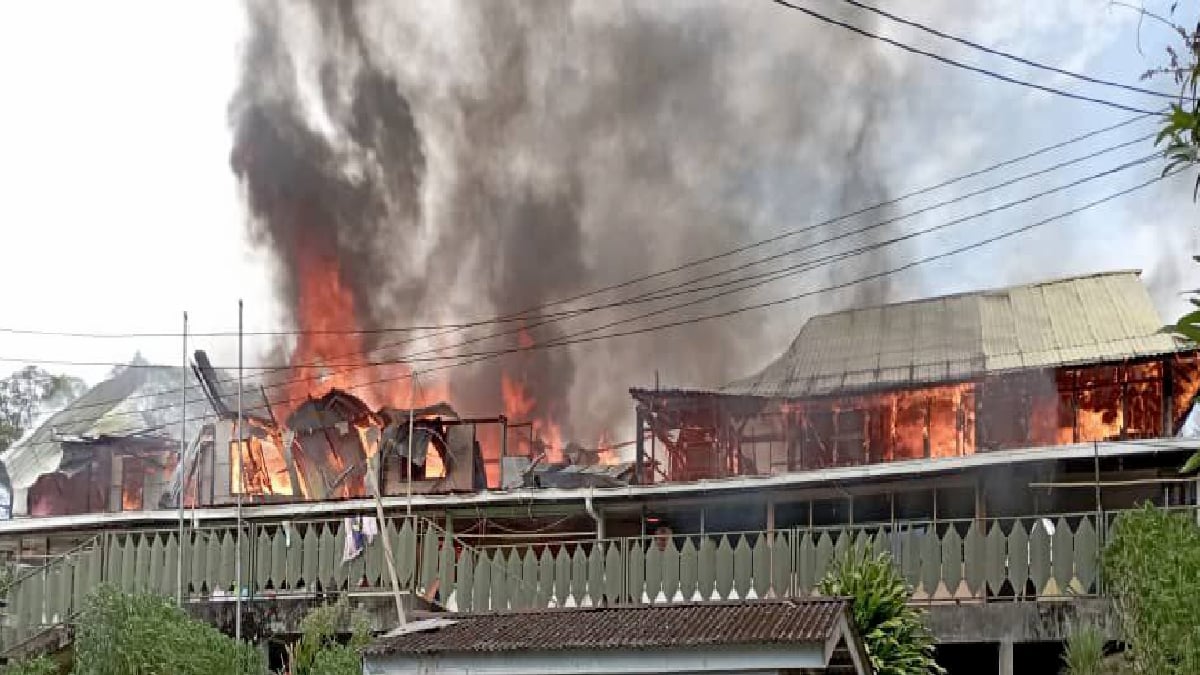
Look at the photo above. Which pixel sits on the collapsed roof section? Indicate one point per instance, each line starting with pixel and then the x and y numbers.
pixel 323 450
pixel 220 388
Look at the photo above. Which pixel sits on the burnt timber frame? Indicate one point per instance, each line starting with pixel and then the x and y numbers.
pixel 675 419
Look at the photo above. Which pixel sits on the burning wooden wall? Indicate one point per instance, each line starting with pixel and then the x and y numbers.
pixel 697 435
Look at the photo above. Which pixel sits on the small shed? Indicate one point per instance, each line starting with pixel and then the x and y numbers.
pixel 764 637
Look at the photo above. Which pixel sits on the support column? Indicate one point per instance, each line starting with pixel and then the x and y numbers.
pixel 640 440
pixel 1006 658
pixel 1168 400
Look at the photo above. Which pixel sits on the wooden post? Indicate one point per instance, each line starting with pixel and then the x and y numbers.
pixel 1168 400
pixel 640 443
pixel 928 425
pixel 373 477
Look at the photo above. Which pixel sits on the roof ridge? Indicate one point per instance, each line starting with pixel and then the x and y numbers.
pixel 958 337
pixel 758 602
pixel 978 292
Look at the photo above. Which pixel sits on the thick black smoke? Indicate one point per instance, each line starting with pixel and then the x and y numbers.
pixel 465 160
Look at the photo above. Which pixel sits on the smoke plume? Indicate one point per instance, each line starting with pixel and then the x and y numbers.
pixel 464 160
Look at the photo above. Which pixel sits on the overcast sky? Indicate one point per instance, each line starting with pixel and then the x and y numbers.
pixel 118 208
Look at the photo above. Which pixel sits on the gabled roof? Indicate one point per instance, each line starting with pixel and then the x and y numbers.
pixel 139 400
pixel 1080 320
pixel 749 622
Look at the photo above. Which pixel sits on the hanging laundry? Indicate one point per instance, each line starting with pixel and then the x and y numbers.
pixel 353 546
pixel 370 528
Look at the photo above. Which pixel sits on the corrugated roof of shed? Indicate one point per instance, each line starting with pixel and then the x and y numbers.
pixel 638 627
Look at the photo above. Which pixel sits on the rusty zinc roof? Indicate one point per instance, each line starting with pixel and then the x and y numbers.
pixel 1080 320
pixel 648 626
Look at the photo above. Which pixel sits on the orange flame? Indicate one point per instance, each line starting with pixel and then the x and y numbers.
pixel 607 454
pixel 519 404
pixel 326 356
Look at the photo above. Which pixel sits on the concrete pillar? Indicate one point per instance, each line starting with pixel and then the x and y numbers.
pixel 1006 657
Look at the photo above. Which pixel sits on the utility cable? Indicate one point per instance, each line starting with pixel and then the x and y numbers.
pixel 1005 55
pixel 520 315
pixel 958 64
pixel 584 337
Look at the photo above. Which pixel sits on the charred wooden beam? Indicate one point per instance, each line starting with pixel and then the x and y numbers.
pixel 207 376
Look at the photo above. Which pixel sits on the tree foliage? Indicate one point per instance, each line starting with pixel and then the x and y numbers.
pixel 141 634
pixel 1179 132
pixel 1152 569
pixel 26 393
pixel 1179 136
pixel 893 631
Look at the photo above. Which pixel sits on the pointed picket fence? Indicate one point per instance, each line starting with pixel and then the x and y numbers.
pixel 1029 557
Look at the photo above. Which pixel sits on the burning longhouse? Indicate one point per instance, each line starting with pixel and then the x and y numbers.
pixel 1059 363
pixel 987 440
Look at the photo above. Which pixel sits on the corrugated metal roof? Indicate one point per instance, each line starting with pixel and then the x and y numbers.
pixel 1088 319
pixel 737 623
pixel 140 400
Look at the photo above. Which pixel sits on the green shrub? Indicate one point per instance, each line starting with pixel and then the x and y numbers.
pixel 319 652
pixel 1084 652
pixel 40 665
pixel 1152 570
pixel 141 634
pixel 895 636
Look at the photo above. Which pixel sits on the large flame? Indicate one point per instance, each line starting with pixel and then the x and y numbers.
pixel 328 354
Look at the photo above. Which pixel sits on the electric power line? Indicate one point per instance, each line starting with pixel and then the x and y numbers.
pixel 671 291
pixel 792 298
pixel 827 260
pixel 519 315
pixel 1006 55
pixel 955 63
pixel 586 337
pixel 757 279
pixel 663 293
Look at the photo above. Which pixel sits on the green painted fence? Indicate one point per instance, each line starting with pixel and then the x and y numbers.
pixel 1014 558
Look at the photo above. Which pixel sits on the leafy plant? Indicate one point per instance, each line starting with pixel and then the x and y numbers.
pixel 893 632
pixel 40 665
pixel 319 652
pixel 1084 653
pixel 1179 134
pixel 1180 129
pixel 1188 328
pixel 1152 568
pixel 142 634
